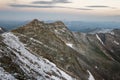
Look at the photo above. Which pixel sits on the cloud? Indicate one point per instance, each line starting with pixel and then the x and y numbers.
pixel 98 6
pixel 42 2
pixel 24 6
pixel 83 9
pixel 51 2
pixel 34 6
pixel 47 4
pixel 79 8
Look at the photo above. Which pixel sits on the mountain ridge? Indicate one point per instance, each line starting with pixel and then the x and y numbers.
pixel 81 56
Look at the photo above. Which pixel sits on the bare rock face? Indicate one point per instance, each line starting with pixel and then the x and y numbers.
pixel 50 51
pixel 2 30
pixel 112 43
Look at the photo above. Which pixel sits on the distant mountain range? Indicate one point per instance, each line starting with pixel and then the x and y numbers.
pixel 91 26
pixel 50 51
pixel 81 26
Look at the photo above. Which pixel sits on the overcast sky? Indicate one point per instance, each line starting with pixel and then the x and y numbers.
pixel 83 10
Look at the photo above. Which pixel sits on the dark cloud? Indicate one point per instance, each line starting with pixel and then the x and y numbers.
pixel 61 1
pixel 42 2
pixel 83 9
pixel 101 6
pixel 34 6
pixel 79 8
pixel 24 6
pixel 51 2
pixel 98 6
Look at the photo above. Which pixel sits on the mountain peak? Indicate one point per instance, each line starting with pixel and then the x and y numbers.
pixel 59 23
pixel 35 22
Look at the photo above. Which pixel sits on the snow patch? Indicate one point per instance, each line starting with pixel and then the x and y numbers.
pixel 32 65
pixel 90 76
pixel 99 39
pixel 112 33
pixel 5 75
pixel 117 43
pixel 69 44
pixel 0 28
pixel 56 31
pixel 96 67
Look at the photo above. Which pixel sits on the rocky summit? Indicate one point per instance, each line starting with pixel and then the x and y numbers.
pixel 50 51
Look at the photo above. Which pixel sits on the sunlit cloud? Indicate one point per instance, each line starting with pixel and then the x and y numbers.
pixel 36 6
pixel 98 6
pixel 66 8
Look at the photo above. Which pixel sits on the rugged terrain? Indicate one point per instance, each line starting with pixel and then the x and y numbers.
pixel 2 30
pixel 50 51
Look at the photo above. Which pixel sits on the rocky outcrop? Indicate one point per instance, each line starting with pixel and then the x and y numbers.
pixel 2 30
